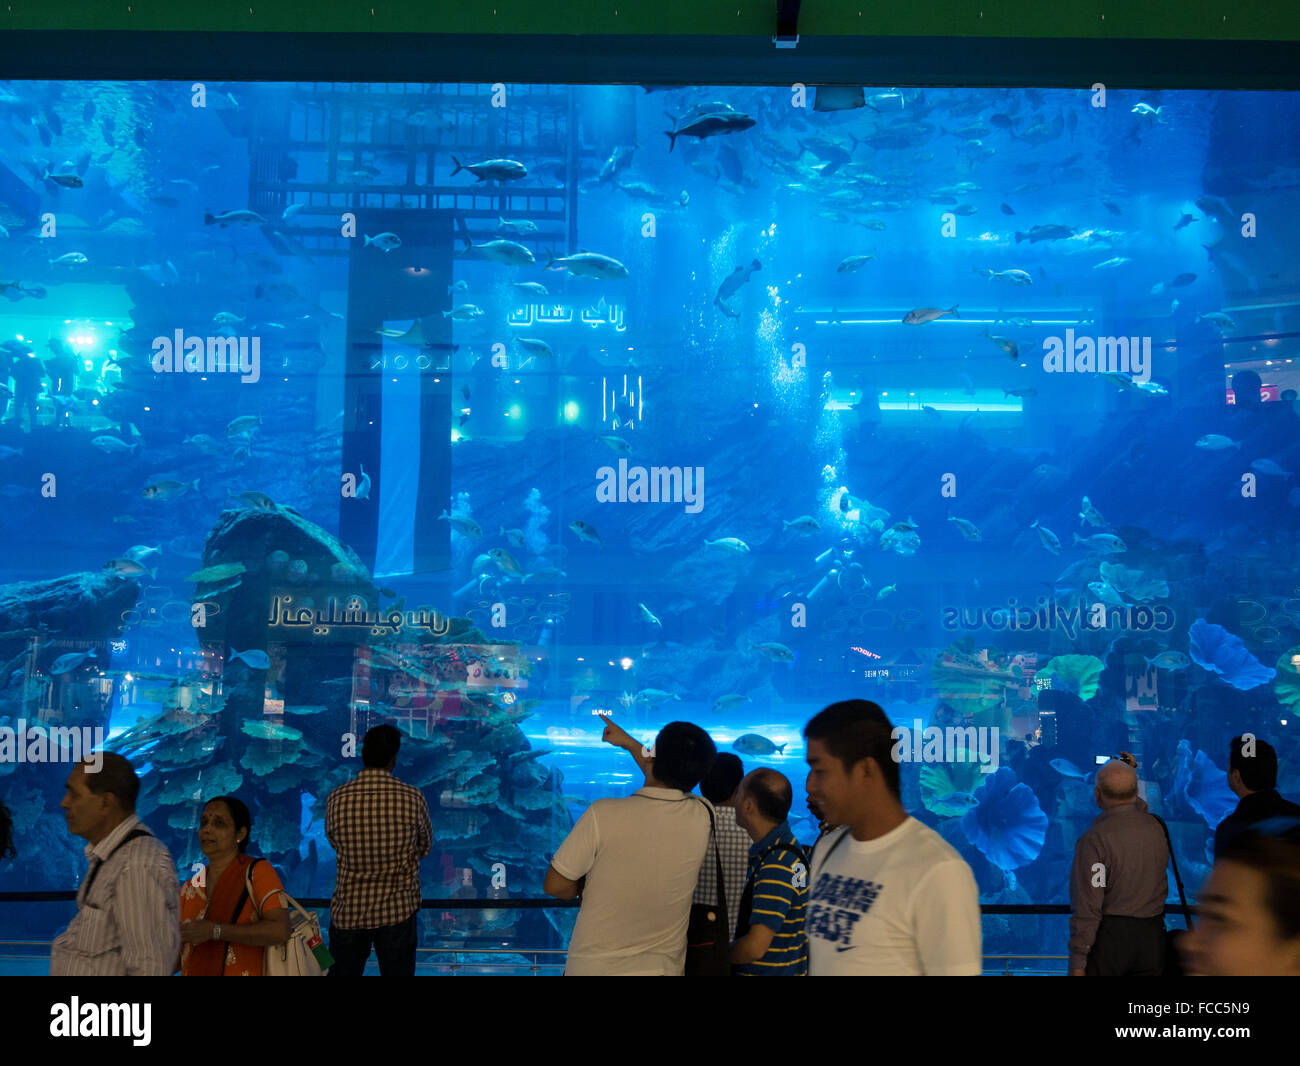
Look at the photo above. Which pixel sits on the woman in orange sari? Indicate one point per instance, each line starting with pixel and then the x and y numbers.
pixel 226 932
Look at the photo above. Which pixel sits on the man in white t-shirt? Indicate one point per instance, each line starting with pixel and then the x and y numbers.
pixel 635 861
pixel 888 896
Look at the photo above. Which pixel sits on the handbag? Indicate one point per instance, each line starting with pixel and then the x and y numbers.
pixel 1173 960
pixel 708 945
pixel 304 954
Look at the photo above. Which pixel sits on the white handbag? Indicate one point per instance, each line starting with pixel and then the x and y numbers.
pixel 304 954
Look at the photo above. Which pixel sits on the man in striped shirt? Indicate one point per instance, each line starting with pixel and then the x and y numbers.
pixel 128 906
pixel 771 939
pixel 380 828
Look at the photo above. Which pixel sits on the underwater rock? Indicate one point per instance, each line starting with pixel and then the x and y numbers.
pixel 260 541
pixel 79 604
pixel 216 575
pixel 254 539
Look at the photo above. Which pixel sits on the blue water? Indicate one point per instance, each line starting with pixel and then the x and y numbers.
pixel 1020 219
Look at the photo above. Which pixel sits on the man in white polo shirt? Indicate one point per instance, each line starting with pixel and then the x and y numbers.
pixel 888 896
pixel 635 861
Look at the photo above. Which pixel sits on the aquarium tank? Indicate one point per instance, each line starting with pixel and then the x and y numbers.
pixel 495 410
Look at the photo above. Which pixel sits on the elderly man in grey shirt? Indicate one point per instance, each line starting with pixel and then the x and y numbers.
pixel 1118 884
pixel 128 907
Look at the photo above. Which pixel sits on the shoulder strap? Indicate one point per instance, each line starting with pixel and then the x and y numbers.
pixel 257 903
pixel 1182 898
pixel 787 846
pixel 829 851
pixel 713 836
pixel 249 892
pixel 243 896
pixel 234 917
pixel 717 857
pixel 780 845
pixel 138 831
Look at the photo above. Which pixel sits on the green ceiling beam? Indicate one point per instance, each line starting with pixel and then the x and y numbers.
pixel 1220 20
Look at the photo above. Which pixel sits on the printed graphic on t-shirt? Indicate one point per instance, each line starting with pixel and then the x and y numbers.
pixel 837 905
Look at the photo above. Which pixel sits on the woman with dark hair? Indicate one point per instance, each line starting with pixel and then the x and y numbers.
pixel 231 910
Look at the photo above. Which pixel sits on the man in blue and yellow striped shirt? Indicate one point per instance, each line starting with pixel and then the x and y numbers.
pixel 770 931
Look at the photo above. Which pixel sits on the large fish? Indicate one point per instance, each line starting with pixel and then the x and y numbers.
pixel 735 280
pixel 234 218
pixel 1014 277
pixel 588 265
pixel 833 155
pixel 619 159
pixel 492 169
pixel 499 251
pixel 756 744
pixel 853 262
pixel 1008 347
pixel 1044 233
pixel 708 124
pixel 1050 540
pixel 920 315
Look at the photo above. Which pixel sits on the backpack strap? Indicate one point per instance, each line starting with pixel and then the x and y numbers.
pixel 138 831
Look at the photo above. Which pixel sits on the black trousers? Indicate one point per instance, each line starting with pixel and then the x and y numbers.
pixel 394 945
pixel 1128 947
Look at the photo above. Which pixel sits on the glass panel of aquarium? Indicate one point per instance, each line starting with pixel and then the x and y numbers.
pixel 495 413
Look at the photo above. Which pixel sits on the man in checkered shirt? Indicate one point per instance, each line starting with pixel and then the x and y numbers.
pixel 719 787
pixel 380 828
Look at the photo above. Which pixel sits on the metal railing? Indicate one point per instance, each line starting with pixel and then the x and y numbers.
pixel 469 960
pixel 540 962
pixel 546 902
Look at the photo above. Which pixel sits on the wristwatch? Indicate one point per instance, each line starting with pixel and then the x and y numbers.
pixel 216 930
